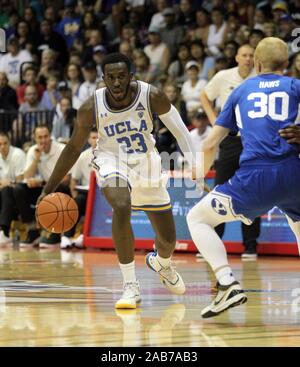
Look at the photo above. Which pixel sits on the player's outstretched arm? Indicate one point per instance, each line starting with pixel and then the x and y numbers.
pixel 211 144
pixel 171 118
pixel 72 150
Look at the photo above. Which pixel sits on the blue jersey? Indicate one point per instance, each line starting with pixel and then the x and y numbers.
pixel 258 108
pixel 69 28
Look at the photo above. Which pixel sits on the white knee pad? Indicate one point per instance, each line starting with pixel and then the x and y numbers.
pixel 195 215
pixel 213 209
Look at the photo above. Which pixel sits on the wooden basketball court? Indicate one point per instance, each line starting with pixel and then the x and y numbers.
pixel 60 298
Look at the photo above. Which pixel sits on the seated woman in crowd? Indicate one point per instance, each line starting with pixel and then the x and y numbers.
pixel 230 51
pixel 232 29
pixel 62 125
pixel 220 64
pixel 216 32
pixel 202 22
pixel 26 39
pixel 176 69
pixel 205 63
pixel 192 87
pixel 74 79
pixel 51 95
pixel 173 93
pixel 144 70
pixel 157 51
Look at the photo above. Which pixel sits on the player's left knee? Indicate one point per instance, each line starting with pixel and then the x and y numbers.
pixel 195 215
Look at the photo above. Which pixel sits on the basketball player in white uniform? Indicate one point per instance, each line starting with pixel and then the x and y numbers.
pixel 128 167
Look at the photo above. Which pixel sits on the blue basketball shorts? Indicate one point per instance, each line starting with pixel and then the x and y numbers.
pixel 255 189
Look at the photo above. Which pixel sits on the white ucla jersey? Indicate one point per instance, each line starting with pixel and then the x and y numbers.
pixel 128 129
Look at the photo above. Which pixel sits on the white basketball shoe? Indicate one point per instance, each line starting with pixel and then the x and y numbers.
pixel 5 241
pixel 168 276
pixel 130 297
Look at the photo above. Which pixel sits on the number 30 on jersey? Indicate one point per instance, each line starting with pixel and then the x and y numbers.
pixel 265 104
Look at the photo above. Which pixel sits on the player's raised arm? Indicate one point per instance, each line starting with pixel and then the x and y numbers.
pixel 72 150
pixel 171 118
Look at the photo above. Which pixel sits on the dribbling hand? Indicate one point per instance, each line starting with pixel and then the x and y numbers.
pixel 200 182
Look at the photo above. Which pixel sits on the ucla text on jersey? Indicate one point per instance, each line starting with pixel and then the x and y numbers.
pixel 129 128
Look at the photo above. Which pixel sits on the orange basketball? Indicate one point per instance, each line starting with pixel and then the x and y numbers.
pixel 57 212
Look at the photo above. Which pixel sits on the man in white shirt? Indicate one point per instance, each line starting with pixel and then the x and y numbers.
pixel 80 176
pixel 12 162
pixel 88 87
pixel 221 86
pixel 40 161
pixel 11 62
pixel 158 20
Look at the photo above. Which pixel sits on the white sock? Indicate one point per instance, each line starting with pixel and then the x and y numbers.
pixel 164 262
pixel 128 272
pixel 225 276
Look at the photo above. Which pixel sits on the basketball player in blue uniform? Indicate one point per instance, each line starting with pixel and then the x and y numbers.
pixel 128 167
pixel 269 174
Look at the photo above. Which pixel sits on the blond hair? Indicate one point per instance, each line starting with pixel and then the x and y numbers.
pixel 272 53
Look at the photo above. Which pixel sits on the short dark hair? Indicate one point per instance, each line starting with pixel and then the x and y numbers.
pixel 218 9
pixel 42 126
pixel 257 32
pixel 114 58
pixel 67 98
pixel 30 67
pixel 199 115
pixel 203 10
pixel 94 130
pixel 45 20
pixel 198 43
pixel 233 43
pixel 5 134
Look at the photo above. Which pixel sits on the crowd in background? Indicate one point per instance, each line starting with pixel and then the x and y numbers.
pixel 55 50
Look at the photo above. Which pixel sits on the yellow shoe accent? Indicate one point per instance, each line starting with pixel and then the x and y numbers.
pixel 130 297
